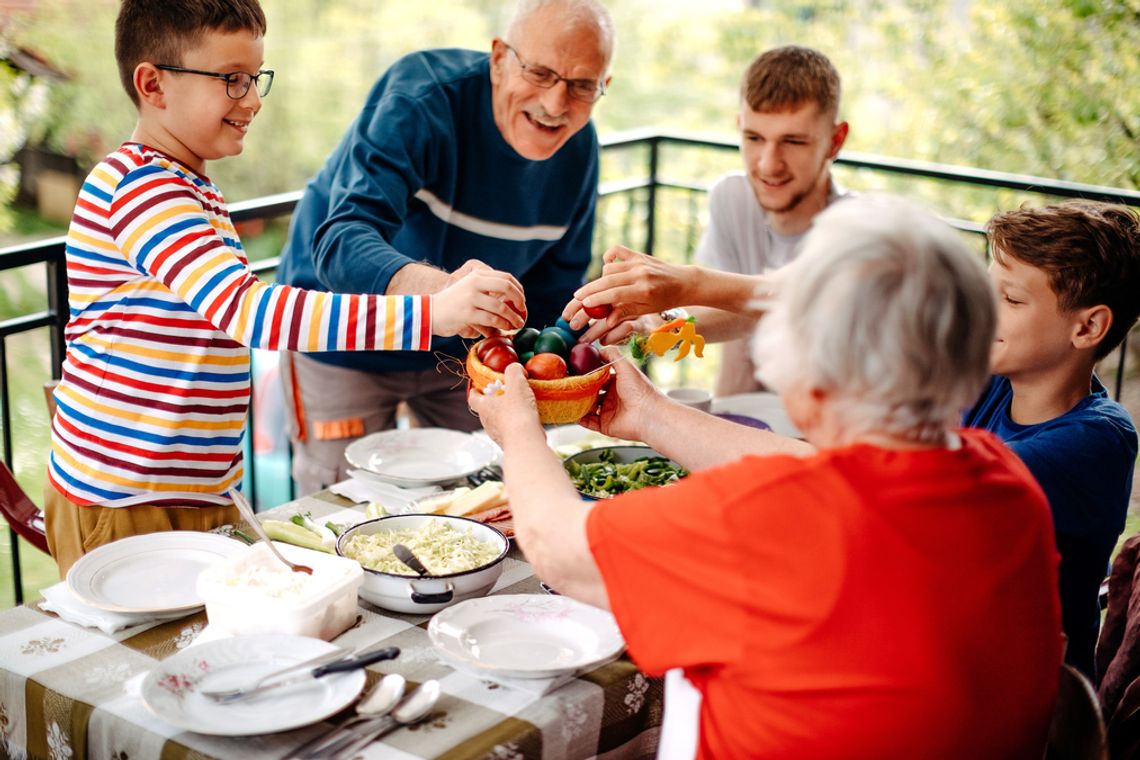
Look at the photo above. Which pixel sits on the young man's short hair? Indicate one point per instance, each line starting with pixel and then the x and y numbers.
pixel 161 31
pixel 787 77
pixel 1090 252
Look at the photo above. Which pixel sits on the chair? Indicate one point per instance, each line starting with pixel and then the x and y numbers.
pixel 22 514
pixel 1076 731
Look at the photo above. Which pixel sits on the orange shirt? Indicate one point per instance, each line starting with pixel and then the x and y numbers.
pixel 860 603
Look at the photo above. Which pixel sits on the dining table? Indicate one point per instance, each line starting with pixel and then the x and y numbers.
pixel 69 691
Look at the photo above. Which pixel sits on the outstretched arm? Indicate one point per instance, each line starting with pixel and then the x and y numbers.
pixel 635 285
pixel 634 409
pixel 550 517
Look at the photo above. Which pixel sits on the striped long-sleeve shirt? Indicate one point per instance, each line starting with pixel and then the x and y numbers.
pixel 163 308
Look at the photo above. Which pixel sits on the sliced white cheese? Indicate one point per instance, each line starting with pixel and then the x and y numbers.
pixel 488 494
pixel 440 504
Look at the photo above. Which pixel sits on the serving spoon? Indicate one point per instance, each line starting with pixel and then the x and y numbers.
pixel 248 515
pixel 409 558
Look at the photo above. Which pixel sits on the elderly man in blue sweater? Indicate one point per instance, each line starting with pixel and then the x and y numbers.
pixel 459 160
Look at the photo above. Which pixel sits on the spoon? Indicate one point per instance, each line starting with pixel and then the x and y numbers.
pixel 384 696
pixel 408 557
pixel 414 708
pixel 248 515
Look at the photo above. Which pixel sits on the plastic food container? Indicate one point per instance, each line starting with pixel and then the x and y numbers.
pixel 253 593
pixel 414 595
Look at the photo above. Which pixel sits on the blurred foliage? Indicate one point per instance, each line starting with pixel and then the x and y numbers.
pixel 23 112
pixel 1041 87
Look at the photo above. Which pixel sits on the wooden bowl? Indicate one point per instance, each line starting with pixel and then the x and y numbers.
pixel 559 402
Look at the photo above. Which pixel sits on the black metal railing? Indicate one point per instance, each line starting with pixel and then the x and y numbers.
pixel 640 226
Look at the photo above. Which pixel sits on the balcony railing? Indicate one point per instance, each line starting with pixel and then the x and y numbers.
pixel 651 198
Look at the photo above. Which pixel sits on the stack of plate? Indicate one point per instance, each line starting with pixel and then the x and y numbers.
pixel 152 575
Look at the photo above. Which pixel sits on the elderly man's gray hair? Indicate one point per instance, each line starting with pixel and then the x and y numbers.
pixel 580 11
pixel 887 312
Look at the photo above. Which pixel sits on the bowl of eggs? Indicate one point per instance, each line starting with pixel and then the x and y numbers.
pixel 566 376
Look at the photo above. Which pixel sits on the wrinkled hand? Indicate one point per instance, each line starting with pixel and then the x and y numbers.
pixel 633 284
pixel 629 402
pixel 513 407
pixel 478 301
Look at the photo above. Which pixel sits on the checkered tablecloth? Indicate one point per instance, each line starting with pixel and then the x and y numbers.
pixel 64 693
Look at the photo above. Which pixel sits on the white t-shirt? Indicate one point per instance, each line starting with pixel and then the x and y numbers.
pixel 738 238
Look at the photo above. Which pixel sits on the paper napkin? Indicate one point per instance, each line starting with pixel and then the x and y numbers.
pixel 363 487
pixel 62 602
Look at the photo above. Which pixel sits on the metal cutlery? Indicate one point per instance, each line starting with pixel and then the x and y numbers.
pixel 312 662
pixel 409 558
pixel 383 697
pixel 340 664
pixel 248 514
pixel 412 709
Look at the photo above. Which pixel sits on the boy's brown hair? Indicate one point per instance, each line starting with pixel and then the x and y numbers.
pixel 1090 252
pixel 161 31
pixel 787 77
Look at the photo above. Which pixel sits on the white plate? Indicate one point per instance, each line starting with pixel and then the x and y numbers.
pixel 421 456
pixel 171 690
pixel 570 439
pixel 151 573
pixel 525 635
pixel 766 407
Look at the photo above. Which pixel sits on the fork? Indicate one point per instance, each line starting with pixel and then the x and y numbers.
pixel 339 664
pixel 248 515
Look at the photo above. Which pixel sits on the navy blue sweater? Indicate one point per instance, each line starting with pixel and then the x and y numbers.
pixel 424 175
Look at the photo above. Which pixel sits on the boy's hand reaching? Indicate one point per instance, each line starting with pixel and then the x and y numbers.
pixel 478 301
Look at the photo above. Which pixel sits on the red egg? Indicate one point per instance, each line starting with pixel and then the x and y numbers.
pixel 546 367
pixel 500 357
pixel 584 358
pixel 601 311
pixel 488 343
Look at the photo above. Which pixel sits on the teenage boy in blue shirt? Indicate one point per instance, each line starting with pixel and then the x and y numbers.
pixel 1068 286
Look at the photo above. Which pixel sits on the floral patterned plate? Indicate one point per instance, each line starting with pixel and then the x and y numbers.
pixel 525 635
pixel 421 456
pixel 171 690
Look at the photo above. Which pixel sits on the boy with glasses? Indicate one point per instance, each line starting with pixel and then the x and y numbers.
pixel 459 160
pixel 152 403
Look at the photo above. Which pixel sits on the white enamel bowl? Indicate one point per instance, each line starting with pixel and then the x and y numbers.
pixel 414 595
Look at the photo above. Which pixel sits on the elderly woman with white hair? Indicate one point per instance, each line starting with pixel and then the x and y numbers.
pixel 884 589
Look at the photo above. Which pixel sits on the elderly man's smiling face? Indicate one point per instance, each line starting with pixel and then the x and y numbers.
pixel 534 120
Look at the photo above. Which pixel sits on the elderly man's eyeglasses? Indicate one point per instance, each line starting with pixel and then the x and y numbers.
pixel 237 82
pixel 585 90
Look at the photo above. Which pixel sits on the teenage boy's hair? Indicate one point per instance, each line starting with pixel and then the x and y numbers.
pixel 1090 252
pixel 161 31
pixel 788 77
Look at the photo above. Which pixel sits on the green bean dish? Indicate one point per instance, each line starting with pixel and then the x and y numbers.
pixel 608 477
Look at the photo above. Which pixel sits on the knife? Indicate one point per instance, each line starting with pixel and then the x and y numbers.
pixel 342 664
